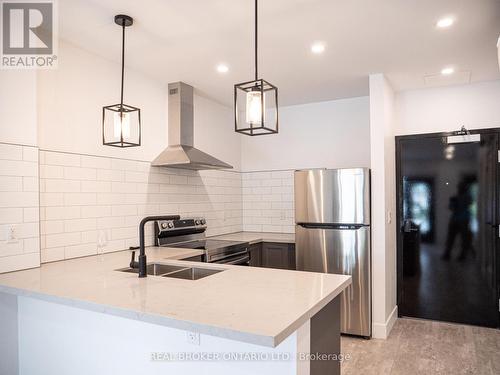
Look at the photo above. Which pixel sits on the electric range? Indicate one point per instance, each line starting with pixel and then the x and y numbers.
pixel 190 234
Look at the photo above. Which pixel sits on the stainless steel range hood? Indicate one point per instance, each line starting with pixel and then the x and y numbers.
pixel 180 152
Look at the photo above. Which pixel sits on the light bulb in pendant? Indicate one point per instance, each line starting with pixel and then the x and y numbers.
pixel 122 125
pixel 254 108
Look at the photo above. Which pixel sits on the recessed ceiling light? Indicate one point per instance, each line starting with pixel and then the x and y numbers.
pixel 445 22
pixel 318 48
pixel 222 68
pixel 447 71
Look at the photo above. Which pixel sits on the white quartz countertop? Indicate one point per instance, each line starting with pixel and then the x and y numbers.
pixel 256 305
pixel 255 237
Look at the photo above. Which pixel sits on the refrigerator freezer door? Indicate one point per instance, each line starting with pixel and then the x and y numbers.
pixel 343 251
pixel 332 196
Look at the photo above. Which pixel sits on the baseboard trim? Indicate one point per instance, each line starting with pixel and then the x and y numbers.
pixel 382 330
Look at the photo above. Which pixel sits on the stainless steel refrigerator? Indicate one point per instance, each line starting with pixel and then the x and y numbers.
pixel 332 235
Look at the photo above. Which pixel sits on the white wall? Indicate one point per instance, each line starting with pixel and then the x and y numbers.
pixel 18 107
pixel 214 131
pixel 448 108
pixel 71 97
pixel 332 134
pixel 57 339
pixel 383 205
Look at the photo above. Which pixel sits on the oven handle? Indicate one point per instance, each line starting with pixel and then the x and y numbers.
pixel 213 260
pixel 242 260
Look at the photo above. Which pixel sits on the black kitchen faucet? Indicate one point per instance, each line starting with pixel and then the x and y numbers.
pixel 141 265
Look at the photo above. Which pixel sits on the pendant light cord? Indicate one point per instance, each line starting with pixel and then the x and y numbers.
pixel 256 42
pixel 123 62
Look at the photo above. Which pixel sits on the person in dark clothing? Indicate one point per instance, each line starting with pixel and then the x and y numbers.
pixel 459 222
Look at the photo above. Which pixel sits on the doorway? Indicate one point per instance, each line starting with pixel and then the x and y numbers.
pixel 448 257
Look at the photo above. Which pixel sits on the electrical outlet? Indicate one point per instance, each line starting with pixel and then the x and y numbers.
pixel 12 234
pixel 193 338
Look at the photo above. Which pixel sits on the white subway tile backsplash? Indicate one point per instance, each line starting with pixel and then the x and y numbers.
pixel 10 152
pixel 11 183
pixel 51 227
pixel 77 173
pixel 268 201
pixel 124 165
pixel 18 168
pixel 51 199
pixel 110 175
pixel 52 254
pixel 62 212
pixel 80 225
pixel 61 186
pixel 51 171
pixel 27 230
pixel 80 250
pixel 30 154
pixel 18 199
pixel 61 158
pixel 110 222
pixel 124 210
pixel 11 215
pixel 87 201
pixel 131 176
pixel 80 199
pixel 8 249
pixel 19 208
pixel 95 211
pixel 95 162
pixel 111 246
pixel 124 233
pixel 31 245
pixel 102 200
pixel 96 186
pixel 19 262
pixel 31 184
pixel 62 239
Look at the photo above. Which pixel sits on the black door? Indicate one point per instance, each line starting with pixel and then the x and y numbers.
pixel 447 243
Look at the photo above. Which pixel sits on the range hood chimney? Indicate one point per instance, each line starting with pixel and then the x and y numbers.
pixel 180 152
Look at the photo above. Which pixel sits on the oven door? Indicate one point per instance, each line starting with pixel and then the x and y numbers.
pixel 239 259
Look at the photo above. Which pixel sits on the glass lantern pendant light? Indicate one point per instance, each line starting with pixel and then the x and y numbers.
pixel 256 102
pixel 121 123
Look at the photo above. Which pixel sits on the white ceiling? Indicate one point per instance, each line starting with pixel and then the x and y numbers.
pixel 184 40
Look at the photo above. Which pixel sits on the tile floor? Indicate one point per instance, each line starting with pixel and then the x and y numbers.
pixel 425 347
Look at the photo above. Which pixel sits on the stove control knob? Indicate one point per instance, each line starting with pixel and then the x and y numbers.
pixel 163 225
pixel 197 222
pixel 170 224
pixel 203 222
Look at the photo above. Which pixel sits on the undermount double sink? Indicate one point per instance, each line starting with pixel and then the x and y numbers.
pixel 178 272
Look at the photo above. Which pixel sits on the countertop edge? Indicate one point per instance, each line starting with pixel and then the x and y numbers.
pixel 225 333
pixel 259 237
pixel 281 336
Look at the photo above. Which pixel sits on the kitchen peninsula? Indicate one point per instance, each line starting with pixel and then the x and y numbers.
pixel 267 318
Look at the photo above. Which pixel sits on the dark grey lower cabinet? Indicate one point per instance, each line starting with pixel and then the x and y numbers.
pixel 277 255
pixel 255 254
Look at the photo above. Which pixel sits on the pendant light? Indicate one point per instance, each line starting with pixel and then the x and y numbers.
pixel 121 123
pixel 256 102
